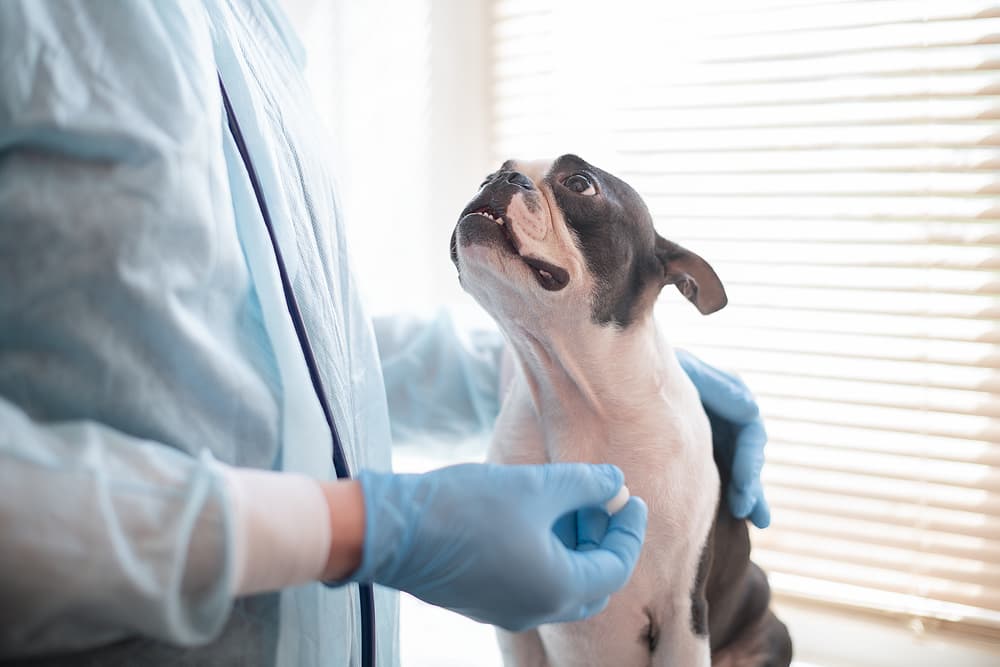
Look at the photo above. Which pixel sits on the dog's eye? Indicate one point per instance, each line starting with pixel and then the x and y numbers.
pixel 580 184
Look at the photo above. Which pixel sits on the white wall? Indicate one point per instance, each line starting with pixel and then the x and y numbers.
pixel 403 86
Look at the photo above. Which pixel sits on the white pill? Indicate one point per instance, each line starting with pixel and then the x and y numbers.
pixel 618 502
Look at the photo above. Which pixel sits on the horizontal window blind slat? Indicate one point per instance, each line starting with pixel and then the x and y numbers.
pixel 944 473
pixel 846 440
pixel 921 183
pixel 820 47
pixel 883 418
pixel 824 42
pixel 941 61
pixel 945 555
pixel 934 282
pixel 820 291
pixel 830 113
pixel 978 572
pixel 853 208
pixel 917 303
pixel 824 504
pixel 529 63
pixel 799 301
pixel 519 36
pixel 823 231
pixel 666 140
pixel 807 525
pixel 896 326
pixel 879 578
pixel 508 9
pixel 892 266
pixel 859 88
pixel 723 164
pixel 892 490
pixel 969 618
pixel 715 21
pixel 820 365
pixel 942 353
pixel 953 401
pixel 899 98
pixel 528 29
pixel 886 578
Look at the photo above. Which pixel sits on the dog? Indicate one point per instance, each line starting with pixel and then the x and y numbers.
pixel 565 258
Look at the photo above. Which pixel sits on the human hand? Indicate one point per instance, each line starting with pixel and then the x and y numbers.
pixel 478 539
pixel 738 436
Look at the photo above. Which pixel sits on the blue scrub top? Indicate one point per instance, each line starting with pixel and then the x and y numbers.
pixel 143 333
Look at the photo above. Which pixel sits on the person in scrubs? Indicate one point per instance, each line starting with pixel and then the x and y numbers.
pixel 167 494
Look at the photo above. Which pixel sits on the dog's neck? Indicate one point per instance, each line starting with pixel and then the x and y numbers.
pixel 586 382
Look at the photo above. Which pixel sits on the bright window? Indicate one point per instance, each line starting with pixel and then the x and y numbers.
pixel 837 161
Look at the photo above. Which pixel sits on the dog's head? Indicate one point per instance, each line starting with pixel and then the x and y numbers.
pixel 541 238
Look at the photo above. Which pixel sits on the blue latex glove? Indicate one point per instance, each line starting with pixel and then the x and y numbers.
pixel 478 539
pixel 738 436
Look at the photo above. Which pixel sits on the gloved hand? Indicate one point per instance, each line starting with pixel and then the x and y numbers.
pixel 478 539
pixel 738 436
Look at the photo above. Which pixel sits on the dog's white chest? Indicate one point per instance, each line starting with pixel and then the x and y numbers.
pixel 665 453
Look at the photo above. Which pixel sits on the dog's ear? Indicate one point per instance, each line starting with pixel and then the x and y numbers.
pixel 692 275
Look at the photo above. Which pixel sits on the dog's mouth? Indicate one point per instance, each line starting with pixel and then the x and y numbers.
pixel 551 277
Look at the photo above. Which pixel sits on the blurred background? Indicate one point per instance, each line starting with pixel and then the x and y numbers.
pixel 837 161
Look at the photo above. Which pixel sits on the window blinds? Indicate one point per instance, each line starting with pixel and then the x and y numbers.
pixel 837 163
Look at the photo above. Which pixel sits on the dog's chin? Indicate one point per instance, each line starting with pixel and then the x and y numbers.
pixel 484 239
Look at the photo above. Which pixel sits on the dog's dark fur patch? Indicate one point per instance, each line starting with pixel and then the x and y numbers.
pixel 651 633
pixel 738 595
pixel 482 231
pixel 614 230
pixel 699 601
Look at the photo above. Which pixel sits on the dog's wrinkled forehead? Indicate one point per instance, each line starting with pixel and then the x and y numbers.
pixel 613 228
pixel 612 189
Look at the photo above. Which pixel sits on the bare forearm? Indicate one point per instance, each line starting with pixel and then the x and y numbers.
pixel 347 528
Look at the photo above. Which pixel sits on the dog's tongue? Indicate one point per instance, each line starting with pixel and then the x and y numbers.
pixel 550 276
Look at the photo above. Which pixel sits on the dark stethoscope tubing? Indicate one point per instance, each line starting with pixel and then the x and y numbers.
pixel 367 595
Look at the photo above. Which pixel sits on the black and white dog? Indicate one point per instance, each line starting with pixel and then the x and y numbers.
pixel 565 257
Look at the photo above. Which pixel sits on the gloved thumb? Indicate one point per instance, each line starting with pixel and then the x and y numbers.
pixel 604 570
pixel 572 486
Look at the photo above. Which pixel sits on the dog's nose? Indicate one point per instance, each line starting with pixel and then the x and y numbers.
pixel 520 180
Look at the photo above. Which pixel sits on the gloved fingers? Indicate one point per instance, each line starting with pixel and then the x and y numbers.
pixel 571 486
pixel 604 570
pixel 591 527
pixel 565 529
pixel 751 503
pixel 748 459
pixel 722 393
pixel 761 514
